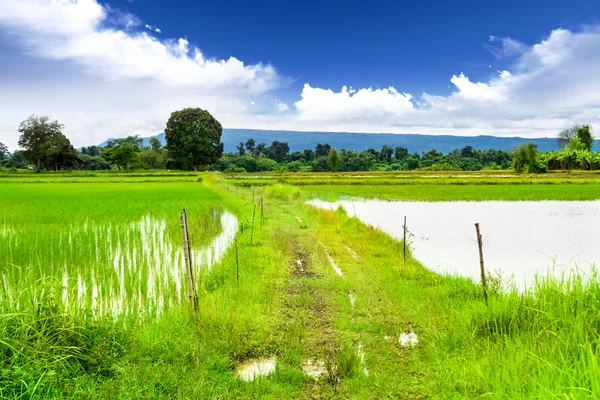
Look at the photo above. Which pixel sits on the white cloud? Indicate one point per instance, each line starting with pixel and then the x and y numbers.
pixel 553 84
pixel 350 104
pixel 152 28
pixel 79 30
pixel 506 47
pixel 103 79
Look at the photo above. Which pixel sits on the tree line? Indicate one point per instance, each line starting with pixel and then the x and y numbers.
pixel 193 139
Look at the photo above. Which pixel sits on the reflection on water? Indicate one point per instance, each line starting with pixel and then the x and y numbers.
pixel 131 270
pixel 520 238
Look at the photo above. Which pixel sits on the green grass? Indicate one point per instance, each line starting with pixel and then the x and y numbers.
pixel 289 302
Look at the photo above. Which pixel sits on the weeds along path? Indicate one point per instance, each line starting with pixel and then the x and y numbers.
pixel 345 302
pixel 371 309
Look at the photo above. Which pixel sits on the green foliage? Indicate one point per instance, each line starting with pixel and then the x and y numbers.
pixel 125 153
pixel 43 141
pixel 277 151
pixel 193 139
pixel 333 159
pixel 526 159
pixel 581 132
pixel 95 163
pixel 266 164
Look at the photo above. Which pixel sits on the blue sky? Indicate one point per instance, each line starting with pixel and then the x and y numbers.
pixel 113 68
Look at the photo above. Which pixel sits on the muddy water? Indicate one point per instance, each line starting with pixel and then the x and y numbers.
pixel 520 238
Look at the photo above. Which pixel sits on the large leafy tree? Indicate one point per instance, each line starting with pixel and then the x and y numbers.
pixel 193 139
pixel 37 133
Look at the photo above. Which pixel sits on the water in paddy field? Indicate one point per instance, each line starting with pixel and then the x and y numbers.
pixel 520 238
pixel 134 269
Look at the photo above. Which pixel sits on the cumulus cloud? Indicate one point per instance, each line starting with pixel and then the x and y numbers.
pixel 101 39
pixel 553 84
pixel 102 74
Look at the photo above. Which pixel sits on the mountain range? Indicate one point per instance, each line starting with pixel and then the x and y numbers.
pixel 299 141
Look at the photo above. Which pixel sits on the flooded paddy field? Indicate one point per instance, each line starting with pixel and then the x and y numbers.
pixel 521 239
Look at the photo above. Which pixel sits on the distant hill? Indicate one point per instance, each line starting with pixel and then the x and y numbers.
pixel 299 141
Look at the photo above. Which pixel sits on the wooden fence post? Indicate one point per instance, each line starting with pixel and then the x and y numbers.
pixel 252 230
pixel 404 240
pixel 262 211
pixel 237 262
pixel 482 267
pixel 187 253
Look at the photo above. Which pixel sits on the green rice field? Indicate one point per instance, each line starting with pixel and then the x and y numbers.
pixel 294 301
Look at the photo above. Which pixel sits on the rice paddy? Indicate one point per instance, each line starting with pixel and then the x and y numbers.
pixel 294 301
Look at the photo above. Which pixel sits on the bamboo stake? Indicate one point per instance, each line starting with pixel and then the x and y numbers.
pixel 262 211
pixel 191 262
pixel 252 230
pixel 404 240
pixel 187 253
pixel 481 265
pixel 186 256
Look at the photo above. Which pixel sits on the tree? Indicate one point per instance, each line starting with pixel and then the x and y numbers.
pixel 386 154
pixel 3 150
pixel 60 151
pixel 583 132
pixel 241 149
pixel 309 155
pixel 152 159
pixel 250 143
pixel 322 150
pixel 334 159
pixel 125 152
pixel 585 135
pixel 400 153
pixel 36 137
pixel 466 152
pixel 277 151
pixel 193 139
pixel 565 136
pixel 258 151
pixel 155 144
pixel 525 158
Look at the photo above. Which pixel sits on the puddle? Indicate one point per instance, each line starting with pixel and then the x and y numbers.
pixel 335 267
pixel 521 239
pixel 252 369
pixel 352 298
pixel 314 368
pixel 408 339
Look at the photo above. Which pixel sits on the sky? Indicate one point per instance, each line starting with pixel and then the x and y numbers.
pixel 120 67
